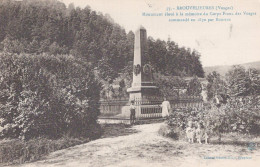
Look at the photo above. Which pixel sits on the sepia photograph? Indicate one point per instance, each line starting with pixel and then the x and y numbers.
pixel 129 83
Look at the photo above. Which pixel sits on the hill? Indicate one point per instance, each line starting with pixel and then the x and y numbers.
pixel 222 70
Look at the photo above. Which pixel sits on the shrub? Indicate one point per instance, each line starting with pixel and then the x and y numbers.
pixel 240 115
pixel 194 87
pixel 172 132
pixel 179 119
pixel 244 114
pixel 17 151
pixel 45 95
pixel 167 84
pixel 164 130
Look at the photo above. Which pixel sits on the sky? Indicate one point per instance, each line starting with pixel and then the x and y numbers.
pixel 219 43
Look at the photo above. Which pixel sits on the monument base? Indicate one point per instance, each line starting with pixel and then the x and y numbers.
pixel 143 92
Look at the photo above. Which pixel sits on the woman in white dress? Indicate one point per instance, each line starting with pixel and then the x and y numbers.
pixel 166 107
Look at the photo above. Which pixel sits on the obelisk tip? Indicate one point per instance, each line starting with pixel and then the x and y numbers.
pixel 141 28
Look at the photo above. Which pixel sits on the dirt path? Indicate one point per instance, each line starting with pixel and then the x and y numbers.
pixel 146 148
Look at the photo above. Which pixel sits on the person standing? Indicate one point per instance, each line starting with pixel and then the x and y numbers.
pixel 166 107
pixel 132 112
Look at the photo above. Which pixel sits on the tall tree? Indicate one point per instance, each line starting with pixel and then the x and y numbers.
pixel 194 87
pixel 216 86
pixel 242 82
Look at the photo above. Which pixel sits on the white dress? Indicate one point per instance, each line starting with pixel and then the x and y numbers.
pixel 165 108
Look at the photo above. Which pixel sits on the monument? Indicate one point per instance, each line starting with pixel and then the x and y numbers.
pixel 143 90
pixel 142 85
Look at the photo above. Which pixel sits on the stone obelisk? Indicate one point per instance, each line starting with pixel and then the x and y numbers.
pixel 143 85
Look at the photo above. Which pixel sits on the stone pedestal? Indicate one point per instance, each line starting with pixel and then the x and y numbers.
pixel 143 85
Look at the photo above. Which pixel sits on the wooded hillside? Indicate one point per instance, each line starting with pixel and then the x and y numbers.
pixel 48 26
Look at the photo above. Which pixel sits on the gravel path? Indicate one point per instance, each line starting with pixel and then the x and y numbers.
pixel 147 148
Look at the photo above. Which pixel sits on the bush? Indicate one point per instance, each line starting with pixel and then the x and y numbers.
pixel 172 132
pixel 17 151
pixel 239 115
pixel 178 120
pixel 167 84
pixel 244 114
pixel 45 95
pixel 164 130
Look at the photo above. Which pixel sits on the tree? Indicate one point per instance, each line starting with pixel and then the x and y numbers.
pixel 37 26
pixel 47 95
pixel 242 82
pixel 121 87
pixel 219 120
pixel 194 87
pixel 244 114
pixel 169 85
pixel 196 64
pixel 216 86
pixel 254 78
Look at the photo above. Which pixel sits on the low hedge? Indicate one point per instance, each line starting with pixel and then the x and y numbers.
pixel 17 151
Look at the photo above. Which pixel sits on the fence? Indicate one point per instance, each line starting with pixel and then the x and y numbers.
pixel 147 107
pixel 149 111
pixel 110 107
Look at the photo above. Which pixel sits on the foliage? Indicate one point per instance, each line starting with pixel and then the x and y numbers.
pixel 17 151
pixel 43 95
pixel 47 26
pixel 242 82
pixel 244 114
pixel 237 115
pixel 169 59
pixel 216 86
pixel 178 120
pixel 169 85
pixel 234 102
pixel 194 87
pixel 172 132
pixel 240 115
pixel 219 120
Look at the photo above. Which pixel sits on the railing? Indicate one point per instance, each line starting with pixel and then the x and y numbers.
pixel 150 111
pixel 147 107
pixel 112 107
